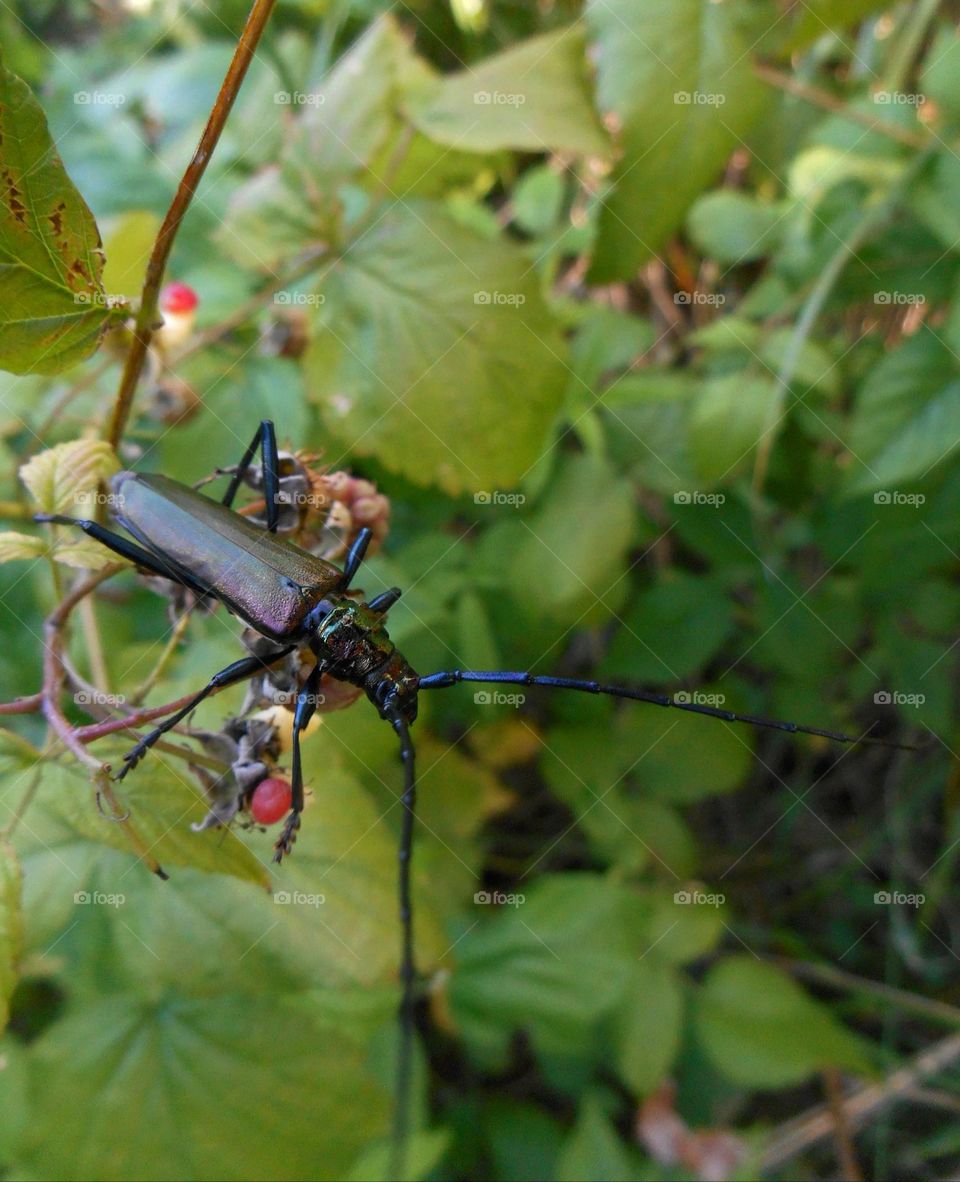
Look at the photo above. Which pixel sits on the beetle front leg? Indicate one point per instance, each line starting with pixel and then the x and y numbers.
pixel 306 705
pixel 238 671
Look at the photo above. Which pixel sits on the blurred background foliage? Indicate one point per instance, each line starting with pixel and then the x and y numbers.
pixel 645 316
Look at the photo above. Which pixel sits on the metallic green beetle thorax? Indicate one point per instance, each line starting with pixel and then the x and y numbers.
pixel 352 643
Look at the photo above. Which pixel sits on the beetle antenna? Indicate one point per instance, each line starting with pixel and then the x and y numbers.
pixel 401 1114
pixel 502 677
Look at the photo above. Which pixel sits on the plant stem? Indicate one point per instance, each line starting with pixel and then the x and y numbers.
pixel 145 323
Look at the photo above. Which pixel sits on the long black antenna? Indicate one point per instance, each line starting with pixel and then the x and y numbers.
pixel 500 677
pixel 404 1070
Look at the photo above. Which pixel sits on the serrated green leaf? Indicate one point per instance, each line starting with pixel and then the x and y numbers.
pixel 761 1030
pixel 532 97
pixel 50 260
pixel 231 1088
pixel 679 76
pixel 84 554
pixel 65 477
pixel 440 323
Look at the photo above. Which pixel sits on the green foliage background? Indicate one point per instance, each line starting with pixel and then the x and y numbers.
pixel 644 314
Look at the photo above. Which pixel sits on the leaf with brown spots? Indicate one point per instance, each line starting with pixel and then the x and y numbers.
pixel 54 308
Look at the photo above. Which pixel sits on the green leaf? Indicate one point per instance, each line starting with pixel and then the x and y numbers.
pixel 574 568
pixel 162 805
pixel 233 1087
pixel 532 97
pixel 424 328
pixel 679 75
pixel 762 1031
pixel 538 200
pixel 907 416
pixel 938 81
pixel 533 965
pixel 129 241
pixel 734 227
pixel 593 1150
pixel 11 926
pixel 349 118
pixel 672 631
pixel 50 260
pixel 728 421
pixel 651 1023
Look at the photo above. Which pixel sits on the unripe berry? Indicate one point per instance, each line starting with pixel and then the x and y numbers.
pixel 270 801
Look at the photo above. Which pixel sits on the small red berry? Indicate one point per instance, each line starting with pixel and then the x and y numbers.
pixel 177 298
pixel 270 801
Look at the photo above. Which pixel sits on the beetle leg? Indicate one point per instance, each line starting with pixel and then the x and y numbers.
pixel 355 556
pixel 266 439
pixel 125 548
pixel 238 671
pixel 306 705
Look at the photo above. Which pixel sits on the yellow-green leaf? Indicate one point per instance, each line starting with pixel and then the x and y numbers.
pixel 65 477
pixel 14 546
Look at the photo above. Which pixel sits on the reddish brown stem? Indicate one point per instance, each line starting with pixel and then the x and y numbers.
pixel 145 323
pixel 28 705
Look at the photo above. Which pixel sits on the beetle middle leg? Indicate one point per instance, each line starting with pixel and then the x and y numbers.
pixel 238 671
pixel 266 439
pixel 306 706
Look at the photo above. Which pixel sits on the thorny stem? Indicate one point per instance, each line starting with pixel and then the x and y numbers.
pixel 53 678
pixel 144 324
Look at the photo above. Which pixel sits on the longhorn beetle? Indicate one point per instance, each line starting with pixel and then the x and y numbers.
pixel 293 599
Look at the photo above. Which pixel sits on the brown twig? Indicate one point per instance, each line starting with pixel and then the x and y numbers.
pixel 145 323
pixel 860 1105
pixel 838 106
pixel 29 704
pixel 842 1134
